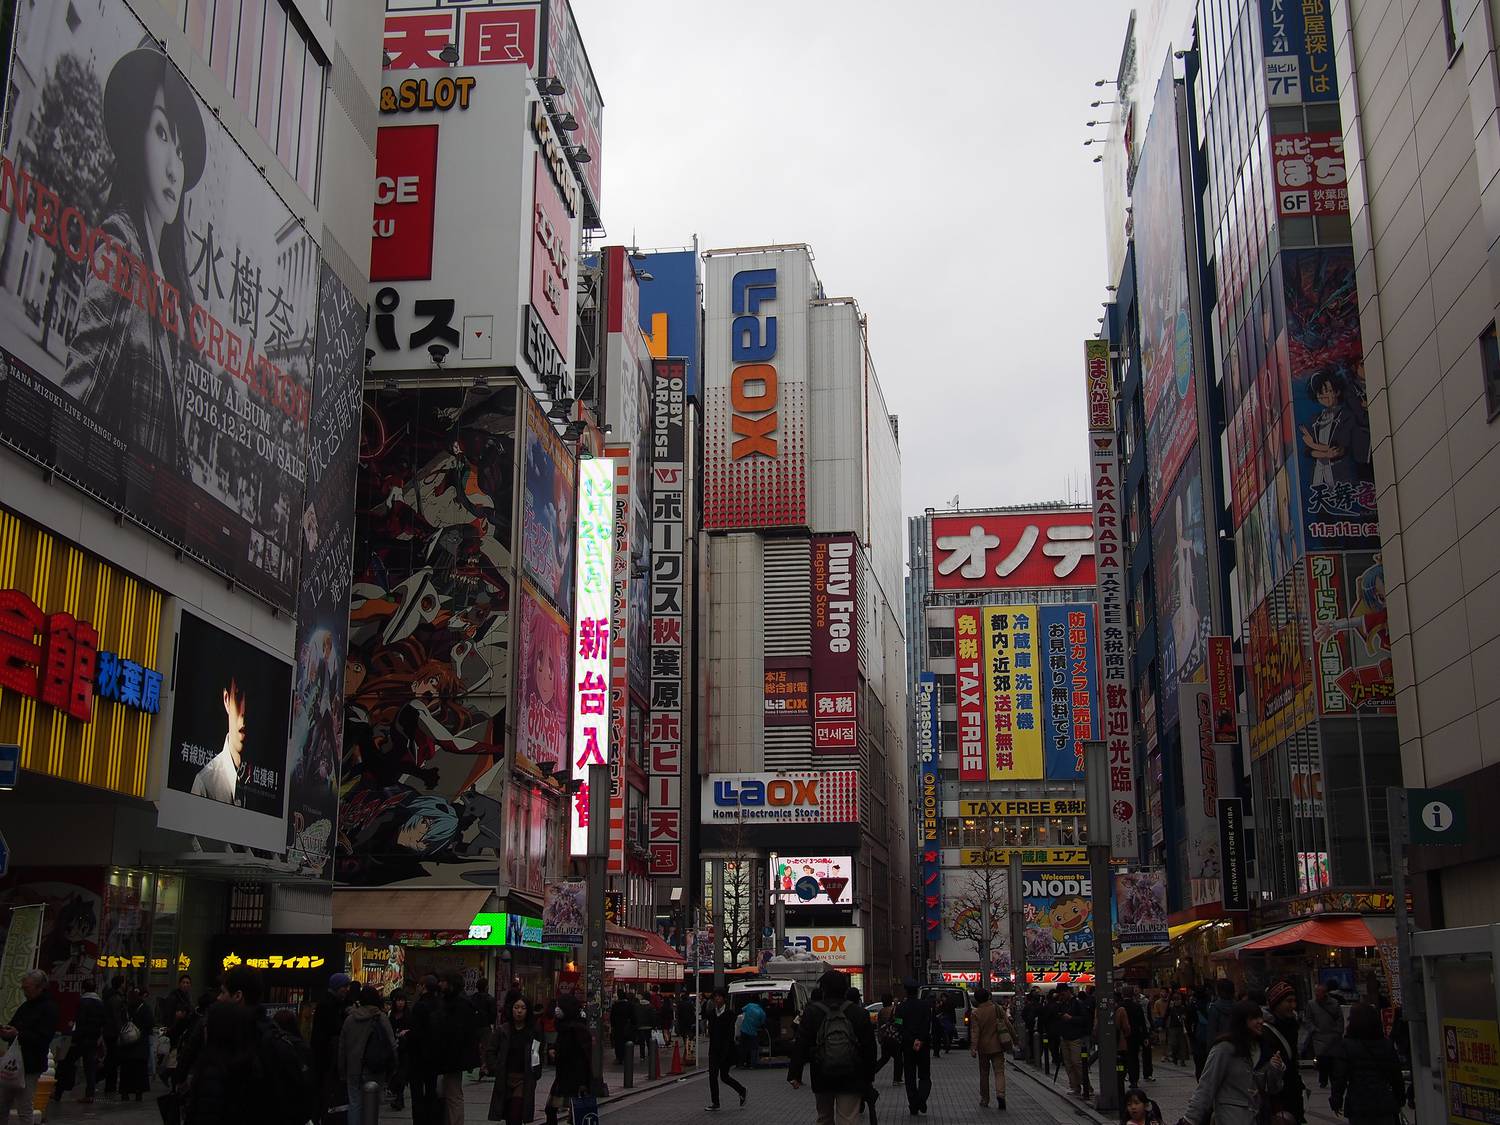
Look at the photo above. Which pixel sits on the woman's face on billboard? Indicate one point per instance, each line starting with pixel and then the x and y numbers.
pixel 163 164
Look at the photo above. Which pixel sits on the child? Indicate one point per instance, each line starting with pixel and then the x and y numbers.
pixel 1139 1109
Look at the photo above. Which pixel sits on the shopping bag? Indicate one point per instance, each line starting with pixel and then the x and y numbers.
pixel 586 1110
pixel 12 1070
pixel 130 1034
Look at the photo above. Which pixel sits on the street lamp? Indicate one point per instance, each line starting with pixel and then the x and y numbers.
pixel 1096 786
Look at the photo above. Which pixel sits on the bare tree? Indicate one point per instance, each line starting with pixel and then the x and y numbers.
pixel 984 888
pixel 739 898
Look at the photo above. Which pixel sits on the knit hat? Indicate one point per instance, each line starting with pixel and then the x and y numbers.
pixel 337 981
pixel 1279 992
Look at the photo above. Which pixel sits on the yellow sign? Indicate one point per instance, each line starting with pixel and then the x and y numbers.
pixel 1036 857
pixel 140 961
pixel 275 961
pixel 1471 1071
pixel 1048 806
pixel 1015 696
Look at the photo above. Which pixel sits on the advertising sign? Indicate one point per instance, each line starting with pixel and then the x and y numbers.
pixel 1471 1070
pixel 670 309
pixel 1070 686
pixel 567 61
pixel 1015 692
pixel 1001 857
pixel 1298 46
pixel 835 647
pixel 929 842
pixel 970 679
pixel 1043 806
pixel 1310 174
pixel 227 758
pixel 1180 561
pixel 668 616
pixel 1140 907
pixel 1114 663
pixel 591 651
pixel 619 657
pixel 786 797
pixel 406 167
pixel 814 880
pixel 1207 775
pixel 168 376
pixel 23 935
pixel 552 266
pixel 1278 673
pixel 542 685
pixel 1235 884
pixel 563 912
pixel 1351 637
pixel 326 570
pixel 841 947
pixel 788 692
pixel 1012 550
pixel 1221 694
pixel 547 511
pixel 755 391
pixel 485 33
pixel 1326 354
pixel 1058 918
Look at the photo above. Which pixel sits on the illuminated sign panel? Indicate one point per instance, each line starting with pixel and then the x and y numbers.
pixel 593 584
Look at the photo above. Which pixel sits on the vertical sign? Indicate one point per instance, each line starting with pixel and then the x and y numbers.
pixel 1221 693
pixel 1235 888
pixel 835 653
pixel 593 584
pixel 1109 560
pixel 668 542
pixel 926 704
pixel 619 676
pixel 1070 682
pixel 1014 675
pixel 970 684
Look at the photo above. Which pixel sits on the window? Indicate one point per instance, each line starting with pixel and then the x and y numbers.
pixel 1450 32
pixel 1489 356
pixel 939 642
pixel 947 686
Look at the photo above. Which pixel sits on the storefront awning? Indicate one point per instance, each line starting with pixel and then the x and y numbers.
pixel 642 945
pixel 1138 953
pixel 1185 928
pixel 385 911
pixel 1347 931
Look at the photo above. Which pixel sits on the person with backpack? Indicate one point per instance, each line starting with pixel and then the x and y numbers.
pixel 992 1034
pixel 328 1021
pixel 366 1050
pixel 751 1019
pixel 721 1042
pixel 223 1083
pixel 1365 1068
pixel 283 1087
pixel 1233 1087
pixel 918 1025
pixel 1279 1036
pixel 836 1037
pixel 515 1059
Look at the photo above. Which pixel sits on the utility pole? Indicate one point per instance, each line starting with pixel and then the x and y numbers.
pixel 1015 900
pixel 1413 980
pixel 1096 783
pixel 598 854
pixel 719 934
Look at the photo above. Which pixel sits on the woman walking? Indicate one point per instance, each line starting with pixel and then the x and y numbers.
pixel 515 1061
pixel 1232 1089
pixel 133 1044
pixel 400 1024
pixel 574 1074
pixel 1177 1029
pixel 1368 1086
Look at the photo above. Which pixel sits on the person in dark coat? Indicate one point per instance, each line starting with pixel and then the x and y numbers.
pixel 328 1021
pixel 1368 1086
pixel 514 1040
pixel 574 1073
pixel 114 1019
pixel 622 1025
pixel 422 1054
pixel 915 1018
pixel 838 1097
pixel 401 1025
pixel 1280 1036
pixel 133 1077
pixel 33 1024
pixel 88 1034
pixel 721 1052
pixel 223 1087
pixel 457 1044
pixel 686 1015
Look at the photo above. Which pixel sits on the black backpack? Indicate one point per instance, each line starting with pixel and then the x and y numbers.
pixel 290 1086
pixel 379 1057
pixel 835 1049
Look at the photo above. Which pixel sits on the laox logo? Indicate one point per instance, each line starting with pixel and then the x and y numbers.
pixel 820 943
pixel 753 391
pixel 754 794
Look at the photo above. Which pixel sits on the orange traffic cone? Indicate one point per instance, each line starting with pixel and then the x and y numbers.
pixel 676 1058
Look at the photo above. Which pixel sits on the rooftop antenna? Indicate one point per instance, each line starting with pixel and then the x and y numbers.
pixel 954 502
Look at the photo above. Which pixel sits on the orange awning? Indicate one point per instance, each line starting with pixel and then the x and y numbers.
pixel 1347 932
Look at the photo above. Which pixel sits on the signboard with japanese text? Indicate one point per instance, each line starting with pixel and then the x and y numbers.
pixel 169 380
pixel 788 692
pixel 1278 675
pixel 485 33
pixel 542 719
pixel 1001 857
pixel 1099 386
pixel 1012 550
pixel 80 686
pixel 1310 174
pixel 835 648
pixel 547 509
pixel 567 61
pixel 406 168
pixel 670 309
pixel 929 843
pixel 227 756
pixel 1351 638
pixel 1057 907
pixel 1014 675
pixel 1068 670
pixel 669 619
pixel 1180 566
pixel 1222 696
pixel 784 797
pixel 1207 775
pixel 1041 806
pixel 755 390
pixel 302 961
pixel 591 648
pixel 619 647
pixel 1471 1068
pixel 1114 662
pixel 970 682
pixel 813 880
pixel 552 265
pixel 1297 43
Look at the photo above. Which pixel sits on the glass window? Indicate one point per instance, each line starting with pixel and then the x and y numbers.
pixel 1344 787
pixel 1489 358
pixel 267 106
pixel 947 686
pixel 1323 117
pixel 291 98
pixel 221 51
pixel 247 65
pixel 1298 232
pixel 310 143
pixel 1286 119
pixel 1333 229
pixel 939 642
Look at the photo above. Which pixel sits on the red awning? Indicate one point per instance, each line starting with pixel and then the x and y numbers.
pixel 1348 932
pixel 643 945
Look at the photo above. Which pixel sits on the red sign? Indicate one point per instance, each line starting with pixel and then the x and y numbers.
pixel 1012 551
pixel 1221 693
pixel 484 37
pixel 551 246
pixel 1310 175
pixel 47 656
pixel 1100 392
pixel 405 198
pixel 969 667
pixel 834 726
pixel 835 653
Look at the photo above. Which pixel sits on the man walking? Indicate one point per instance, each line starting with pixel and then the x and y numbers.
pixel 457 1044
pixel 991 1035
pixel 915 1018
pixel 1325 1019
pixel 622 1025
pixel 837 1038
pixel 721 1049
pixel 752 1019
pixel 423 1054
pixel 1072 1028
pixel 34 1024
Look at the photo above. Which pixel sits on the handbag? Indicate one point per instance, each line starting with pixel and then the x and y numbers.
pixel 130 1034
pixel 536 1055
pixel 585 1109
pixel 12 1069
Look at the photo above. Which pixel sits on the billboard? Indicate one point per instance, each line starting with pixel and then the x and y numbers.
pixel 619 648
pixel 1310 175
pixel 1162 284
pixel 813 880
pixel 1012 550
pixel 1015 692
pixel 668 617
pixel 1179 550
pixel 755 390
pixel 1351 635
pixel 327 545
pixel 160 315
pixel 429 667
pixel 1057 909
pixel 541 685
pixel 1279 674
pixel 227 754
pixel 547 510
pixel 1222 697
pixel 841 947
pixel 1207 775
pixel 1114 664
pixel 1067 642
pixel 929 842
pixel 563 912
pixel 788 692
pixel 1140 907
pixel 969 675
pixel 1298 51
pixel 784 797
pixel 591 650
pixel 835 643
pixel 485 33
pixel 670 309
pixel 1326 354
pixel 567 61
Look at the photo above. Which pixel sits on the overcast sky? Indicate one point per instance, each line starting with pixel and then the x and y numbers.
pixel 931 154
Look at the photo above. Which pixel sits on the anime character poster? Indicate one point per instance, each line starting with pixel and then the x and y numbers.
pixel 542 719
pixel 1351 634
pixel 547 511
pixel 1180 561
pixel 1057 909
pixel 563 912
pixel 72 922
pixel 427 681
pixel 1140 907
pixel 157 298
pixel 1326 356
pixel 327 558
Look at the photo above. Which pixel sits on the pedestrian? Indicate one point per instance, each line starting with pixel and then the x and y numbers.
pixel 424 1053
pixel 1072 1029
pixel 645 1023
pixel 1131 1034
pixel 401 1026
pixel 1279 1036
pixel 665 1016
pixel 366 1050
pixel 328 1021
pixel 1219 1010
pixel 1031 1018
pixel 686 1016
pixel 837 1039
pixel 33 1024
pixel 947 1024
pixel 622 1025
pixel 721 1047
pixel 218 1084
pixel 457 1043
pixel 285 1087
pixel 134 1046
pixel 1140 1109
pixel 1159 1016
pixel 1233 1087
pixel 915 1018
pixel 114 1019
pixel 992 1034
pixel 751 1019
pixel 83 1047
pixel 1325 1022
pixel 485 1015
pixel 573 1075
pixel 516 1062
pixel 1368 1085
pixel 1177 1029
pixel 1147 1037
pixel 1198 1029
pixel 888 1036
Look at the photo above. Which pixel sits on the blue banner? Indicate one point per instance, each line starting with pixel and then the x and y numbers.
pixel 1298 49
pixel 929 843
pixel 1070 686
pixel 669 308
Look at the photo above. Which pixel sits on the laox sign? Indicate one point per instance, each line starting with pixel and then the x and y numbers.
pixel 756 794
pixel 820 943
pixel 753 391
